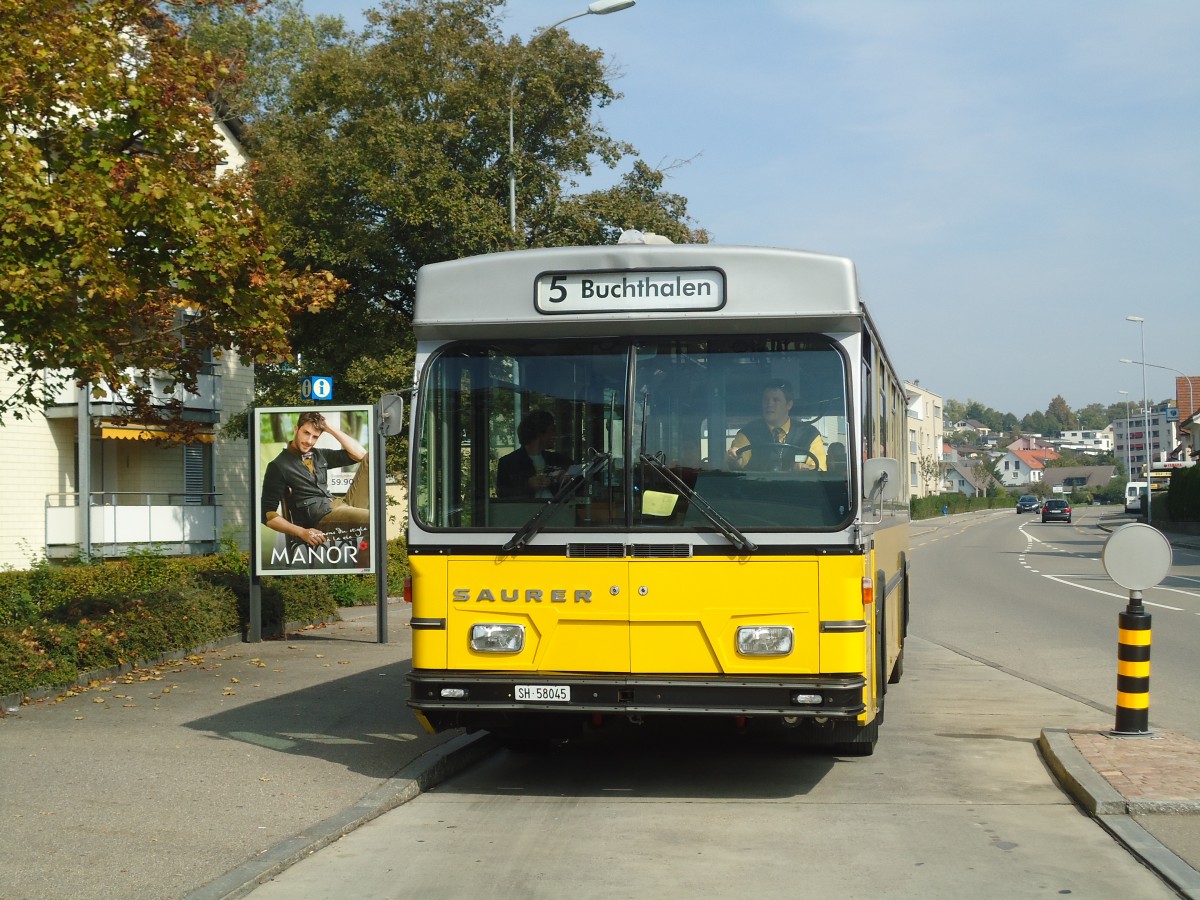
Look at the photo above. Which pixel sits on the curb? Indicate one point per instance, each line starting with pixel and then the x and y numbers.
pixel 1113 812
pixel 427 771
pixel 1077 776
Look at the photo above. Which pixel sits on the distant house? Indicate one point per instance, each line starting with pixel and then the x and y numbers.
pixel 1071 478
pixel 1022 467
pixel 961 479
pixel 1031 442
pixel 1094 441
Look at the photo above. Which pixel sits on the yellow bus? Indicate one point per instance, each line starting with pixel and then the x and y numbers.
pixel 604 529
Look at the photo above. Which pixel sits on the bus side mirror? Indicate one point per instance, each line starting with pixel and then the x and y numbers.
pixel 881 479
pixel 391 414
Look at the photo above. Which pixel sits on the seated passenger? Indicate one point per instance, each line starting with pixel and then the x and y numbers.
pixel 533 470
pixel 777 442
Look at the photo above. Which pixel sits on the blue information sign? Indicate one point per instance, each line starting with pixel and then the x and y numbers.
pixel 317 387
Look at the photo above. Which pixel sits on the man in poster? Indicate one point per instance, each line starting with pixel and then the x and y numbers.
pixel 296 501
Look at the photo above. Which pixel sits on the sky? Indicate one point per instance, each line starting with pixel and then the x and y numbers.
pixel 1012 180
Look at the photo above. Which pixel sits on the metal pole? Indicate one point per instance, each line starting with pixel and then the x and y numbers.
pixel 254 600
pixel 379 502
pixel 512 161
pixel 598 8
pixel 1141 323
pixel 1128 459
pixel 1146 415
pixel 83 480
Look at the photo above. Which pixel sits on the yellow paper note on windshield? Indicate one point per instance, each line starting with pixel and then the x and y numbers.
pixel 656 503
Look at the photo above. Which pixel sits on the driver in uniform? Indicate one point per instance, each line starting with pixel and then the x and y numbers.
pixel 803 448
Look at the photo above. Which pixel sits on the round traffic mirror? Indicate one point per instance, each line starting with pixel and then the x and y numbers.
pixel 1137 556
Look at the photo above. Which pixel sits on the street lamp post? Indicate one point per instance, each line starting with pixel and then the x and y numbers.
pixel 1187 379
pixel 598 8
pixel 1128 462
pixel 1141 323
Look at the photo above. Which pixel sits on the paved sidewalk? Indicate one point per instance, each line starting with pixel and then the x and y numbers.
pixel 1144 789
pixel 214 769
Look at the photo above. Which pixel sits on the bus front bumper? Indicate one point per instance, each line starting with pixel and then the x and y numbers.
pixel 471 699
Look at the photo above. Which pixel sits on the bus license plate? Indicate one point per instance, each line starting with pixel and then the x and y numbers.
pixel 539 693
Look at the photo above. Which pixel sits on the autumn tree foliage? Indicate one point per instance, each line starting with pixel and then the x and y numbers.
pixel 127 245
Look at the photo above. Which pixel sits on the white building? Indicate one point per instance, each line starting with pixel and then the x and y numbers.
pixel 1095 442
pixel 926 434
pixel 1132 443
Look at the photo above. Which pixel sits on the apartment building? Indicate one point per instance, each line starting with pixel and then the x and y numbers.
pixel 926 435
pixel 1141 440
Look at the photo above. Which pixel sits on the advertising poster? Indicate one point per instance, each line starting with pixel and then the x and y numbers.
pixel 314 490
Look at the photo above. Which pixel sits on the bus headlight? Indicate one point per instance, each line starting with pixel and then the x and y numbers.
pixel 498 638
pixel 764 640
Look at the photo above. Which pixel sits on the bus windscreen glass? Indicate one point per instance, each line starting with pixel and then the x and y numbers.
pixel 752 428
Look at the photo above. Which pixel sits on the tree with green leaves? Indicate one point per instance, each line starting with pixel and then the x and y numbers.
pixel 125 248
pixel 986 470
pixel 931 469
pixel 385 151
pixel 1061 416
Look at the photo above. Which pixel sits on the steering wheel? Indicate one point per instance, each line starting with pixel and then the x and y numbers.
pixel 780 457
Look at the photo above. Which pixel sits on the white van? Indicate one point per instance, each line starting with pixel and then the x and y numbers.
pixel 1134 492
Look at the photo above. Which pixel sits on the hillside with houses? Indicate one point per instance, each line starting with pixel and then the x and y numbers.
pixel 973 450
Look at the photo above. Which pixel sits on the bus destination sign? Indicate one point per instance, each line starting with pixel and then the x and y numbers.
pixel 629 290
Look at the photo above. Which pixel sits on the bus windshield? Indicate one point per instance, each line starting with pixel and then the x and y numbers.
pixel 675 433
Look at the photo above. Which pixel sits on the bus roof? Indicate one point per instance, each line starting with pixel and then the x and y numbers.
pixel 636 288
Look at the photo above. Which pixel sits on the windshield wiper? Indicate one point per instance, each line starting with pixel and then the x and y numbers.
pixel 566 491
pixel 723 525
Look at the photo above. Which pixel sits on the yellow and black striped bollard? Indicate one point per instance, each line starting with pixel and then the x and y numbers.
pixel 1133 668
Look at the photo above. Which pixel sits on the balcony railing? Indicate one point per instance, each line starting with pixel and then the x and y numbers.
pixel 177 524
pixel 207 397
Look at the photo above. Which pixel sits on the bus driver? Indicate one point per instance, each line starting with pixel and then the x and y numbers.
pixel 777 441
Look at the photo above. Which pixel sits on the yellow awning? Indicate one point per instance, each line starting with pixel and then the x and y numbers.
pixel 151 433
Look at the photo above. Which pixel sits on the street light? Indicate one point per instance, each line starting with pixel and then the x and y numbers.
pixel 1141 323
pixel 1128 462
pixel 598 8
pixel 1187 378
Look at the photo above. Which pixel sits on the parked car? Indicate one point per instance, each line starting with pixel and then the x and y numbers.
pixel 1028 503
pixel 1056 511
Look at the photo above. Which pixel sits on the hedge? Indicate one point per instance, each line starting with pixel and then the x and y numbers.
pixel 57 623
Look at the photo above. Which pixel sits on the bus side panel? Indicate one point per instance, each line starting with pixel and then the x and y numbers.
pixel 891 544
pixel 573 619
pixel 429 605
pixel 684 614
pixel 841 607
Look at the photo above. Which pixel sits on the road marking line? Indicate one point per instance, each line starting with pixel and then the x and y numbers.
pixel 1181 591
pixel 1084 587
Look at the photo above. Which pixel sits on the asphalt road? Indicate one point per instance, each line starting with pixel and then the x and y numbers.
pixel 955 802
pixel 1035 600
